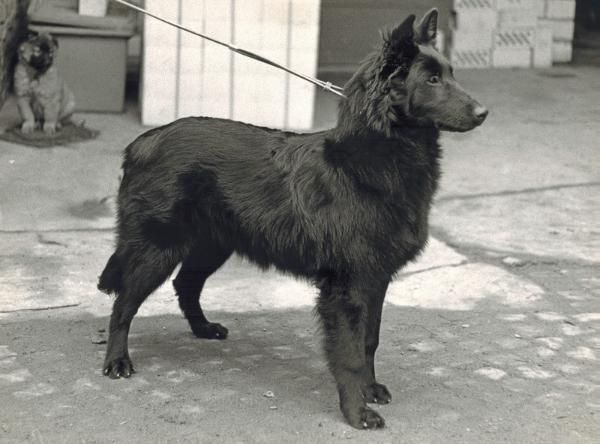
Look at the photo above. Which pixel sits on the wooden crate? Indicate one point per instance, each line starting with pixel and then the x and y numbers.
pixel 184 75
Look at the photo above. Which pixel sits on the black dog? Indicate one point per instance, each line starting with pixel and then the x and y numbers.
pixel 346 207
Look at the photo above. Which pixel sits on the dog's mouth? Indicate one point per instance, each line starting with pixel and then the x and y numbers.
pixel 456 128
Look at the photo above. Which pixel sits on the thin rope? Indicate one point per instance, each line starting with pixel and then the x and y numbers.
pixel 325 85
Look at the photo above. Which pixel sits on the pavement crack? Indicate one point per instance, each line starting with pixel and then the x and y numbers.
pixel 52 307
pixel 516 192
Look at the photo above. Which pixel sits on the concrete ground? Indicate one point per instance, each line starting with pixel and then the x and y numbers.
pixel 492 336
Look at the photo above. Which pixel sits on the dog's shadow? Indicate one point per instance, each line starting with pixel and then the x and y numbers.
pixel 265 351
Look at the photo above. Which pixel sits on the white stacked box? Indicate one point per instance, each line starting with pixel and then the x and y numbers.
pixel 517 13
pixel 159 66
pixel 542 51
pixel 513 47
pixel 561 14
pixel 523 33
pixel 472 38
pixel 514 37
pixel 560 9
pixel 303 57
pixel 185 75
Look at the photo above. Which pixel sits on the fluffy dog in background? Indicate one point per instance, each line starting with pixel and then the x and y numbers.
pixel 345 208
pixel 43 98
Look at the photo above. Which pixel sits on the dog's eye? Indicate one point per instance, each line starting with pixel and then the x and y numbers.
pixel 434 80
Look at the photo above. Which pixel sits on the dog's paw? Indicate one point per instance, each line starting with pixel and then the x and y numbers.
pixel 377 393
pixel 210 330
pixel 118 368
pixel 49 127
pixel 28 127
pixel 366 418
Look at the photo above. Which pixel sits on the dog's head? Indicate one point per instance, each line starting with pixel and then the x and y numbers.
pixel 38 51
pixel 409 83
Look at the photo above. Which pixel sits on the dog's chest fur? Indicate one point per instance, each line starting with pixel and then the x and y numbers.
pixel 29 83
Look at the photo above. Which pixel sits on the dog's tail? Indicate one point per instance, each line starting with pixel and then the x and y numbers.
pixel 111 279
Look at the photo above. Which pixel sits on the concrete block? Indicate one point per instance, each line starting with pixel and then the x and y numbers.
pixel 562 52
pixel 563 29
pixel 542 51
pixel 476 20
pixel 522 37
pixel 512 57
pixel 467 41
pixel 560 9
pixel 516 4
pixel 471 58
pixel 460 5
pixel 510 18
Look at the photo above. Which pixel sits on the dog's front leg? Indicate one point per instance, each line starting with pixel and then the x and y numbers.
pixel 51 112
pixel 24 105
pixel 343 309
pixel 373 391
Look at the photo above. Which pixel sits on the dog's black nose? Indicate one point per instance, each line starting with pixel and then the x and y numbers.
pixel 481 113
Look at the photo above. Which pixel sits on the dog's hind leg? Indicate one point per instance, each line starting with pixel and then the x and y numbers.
pixel 142 273
pixel 343 310
pixel 206 258
pixel 373 391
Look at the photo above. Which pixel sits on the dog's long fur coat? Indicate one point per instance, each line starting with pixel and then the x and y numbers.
pixel 346 208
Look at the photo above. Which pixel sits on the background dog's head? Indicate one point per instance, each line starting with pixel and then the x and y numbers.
pixel 409 83
pixel 38 51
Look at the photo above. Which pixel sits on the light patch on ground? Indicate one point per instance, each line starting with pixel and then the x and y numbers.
pixel 550 316
pixel 584 353
pixel 491 373
pixel 13 289
pixel 160 395
pixel 34 391
pixel 587 317
pixel 439 372
pixel 571 330
pixel 179 376
pixel 425 346
pixel 436 254
pixel 513 317
pixel 552 343
pixel 544 352
pixel 192 409
pixel 535 373
pixel 563 214
pixel 463 287
pixel 569 369
pixel 15 376
pixel 84 385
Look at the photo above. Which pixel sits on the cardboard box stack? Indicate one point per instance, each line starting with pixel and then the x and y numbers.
pixel 512 33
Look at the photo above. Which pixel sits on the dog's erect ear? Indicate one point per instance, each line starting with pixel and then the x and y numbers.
pixel 402 34
pixel 55 41
pixel 399 48
pixel 426 30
